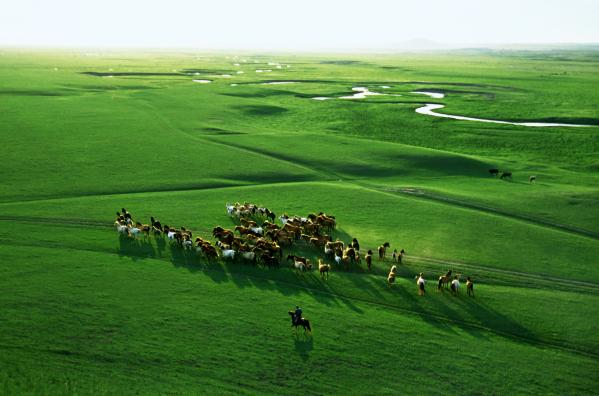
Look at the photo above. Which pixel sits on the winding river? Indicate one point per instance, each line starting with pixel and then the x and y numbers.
pixel 429 109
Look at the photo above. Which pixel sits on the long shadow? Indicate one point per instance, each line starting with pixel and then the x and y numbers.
pixel 15 92
pixel 125 74
pixel 494 319
pixel 264 93
pixel 207 71
pixel 304 344
pixel 443 311
pixel 137 249
pixel 262 110
pixel 218 131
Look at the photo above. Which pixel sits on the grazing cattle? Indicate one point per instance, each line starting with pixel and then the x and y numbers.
pixel 469 287
pixel 324 269
pixel 400 256
pixel 506 175
pixel 532 179
pixel 494 171
pixel 391 276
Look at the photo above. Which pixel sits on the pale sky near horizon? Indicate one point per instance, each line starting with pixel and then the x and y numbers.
pixel 294 25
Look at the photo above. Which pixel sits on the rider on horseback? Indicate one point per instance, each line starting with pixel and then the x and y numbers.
pixel 298 314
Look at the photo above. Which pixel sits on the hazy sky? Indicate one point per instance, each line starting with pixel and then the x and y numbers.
pixel 299 24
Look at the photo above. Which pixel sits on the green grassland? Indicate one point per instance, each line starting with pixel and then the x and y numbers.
pixel 86 133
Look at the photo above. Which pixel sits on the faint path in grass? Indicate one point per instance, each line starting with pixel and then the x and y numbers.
pixel 345 297
pixel 413 193
pixel 165 122
pixel 329 175
pixel 495 275
pixel 423 194
pixel 156 191
pixel 487 273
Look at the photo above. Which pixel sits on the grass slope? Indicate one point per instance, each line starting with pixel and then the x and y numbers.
pixel 83 311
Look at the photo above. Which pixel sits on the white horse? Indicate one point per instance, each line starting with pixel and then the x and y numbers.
pixel 230 208
pixel 327 249
pixel 171 235
pixel 121 229
pixel 298 265
pixel 249 256
pixel 228 254
pixel 134 231
pixel 338 259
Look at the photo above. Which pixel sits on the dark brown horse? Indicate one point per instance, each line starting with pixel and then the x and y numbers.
pixel 305 323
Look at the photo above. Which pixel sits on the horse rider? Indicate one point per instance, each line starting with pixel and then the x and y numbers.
pixel 298 314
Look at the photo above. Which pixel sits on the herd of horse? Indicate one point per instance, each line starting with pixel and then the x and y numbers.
pixel 258 239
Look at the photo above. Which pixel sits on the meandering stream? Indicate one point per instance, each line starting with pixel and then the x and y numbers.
pixel 429 109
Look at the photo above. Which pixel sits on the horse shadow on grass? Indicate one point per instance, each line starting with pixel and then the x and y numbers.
pixel 136 249
pixel 442 310
pixel 290 284
pixel 304 344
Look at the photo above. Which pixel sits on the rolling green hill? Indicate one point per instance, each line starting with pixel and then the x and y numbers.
pixel 84 311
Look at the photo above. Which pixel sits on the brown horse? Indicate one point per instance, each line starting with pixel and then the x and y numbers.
pixel 383 250
pixel 369 259
pixel 444 281
pixel 305 323
pixel 469 287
